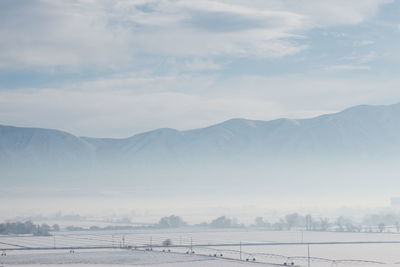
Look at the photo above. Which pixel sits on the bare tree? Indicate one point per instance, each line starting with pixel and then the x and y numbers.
pixel 309 222
pixel 167 242
pixel 324 224
pixel 292 220
pixel 381 227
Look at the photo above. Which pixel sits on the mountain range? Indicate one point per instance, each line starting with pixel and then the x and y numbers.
pixel 359 132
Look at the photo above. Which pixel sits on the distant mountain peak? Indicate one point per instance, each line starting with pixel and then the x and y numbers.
pixel 359 130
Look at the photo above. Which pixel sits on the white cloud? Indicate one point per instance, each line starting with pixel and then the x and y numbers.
pixel 364 43
pixel 121 113
pixel 362 58
pixel 111 34
pixel 198 64
pixel 347 67
pixel 135 104
pixel 192 40
pixel 69 34
pixel 338 12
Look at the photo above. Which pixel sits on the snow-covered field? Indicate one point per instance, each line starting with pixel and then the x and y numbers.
pixel 112 258
pixel 321 255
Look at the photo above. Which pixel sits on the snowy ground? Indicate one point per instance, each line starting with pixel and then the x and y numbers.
pixel 115 257
pixel 321 255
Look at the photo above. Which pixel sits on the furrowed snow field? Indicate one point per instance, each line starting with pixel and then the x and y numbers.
pixel 203 242
pixel 112 258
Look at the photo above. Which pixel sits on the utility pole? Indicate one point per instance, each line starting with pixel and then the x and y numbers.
pixel 151 243
pixel 191 245
pixel 308 254
pixel 54 241
pixel 240 249
pixel 123 241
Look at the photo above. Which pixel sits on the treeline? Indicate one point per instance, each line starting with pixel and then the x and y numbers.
pixel 222 222
pixel 165 222
pixel 27 228
pixel 370 223
pixel 292 221
pixel 171 221
pixel 105 228
pixel 174 221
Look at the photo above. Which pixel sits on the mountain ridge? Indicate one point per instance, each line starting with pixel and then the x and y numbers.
pixel 360 130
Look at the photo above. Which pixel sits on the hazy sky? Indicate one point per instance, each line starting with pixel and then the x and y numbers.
pixel 115 68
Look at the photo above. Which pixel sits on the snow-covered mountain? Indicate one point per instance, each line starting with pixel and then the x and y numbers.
pixel 358 132
pixel 20 146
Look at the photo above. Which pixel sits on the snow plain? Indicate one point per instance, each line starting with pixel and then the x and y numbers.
pixel 115 257
pixel 321 255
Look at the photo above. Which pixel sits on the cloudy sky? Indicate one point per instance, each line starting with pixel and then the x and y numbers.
pixel 116 68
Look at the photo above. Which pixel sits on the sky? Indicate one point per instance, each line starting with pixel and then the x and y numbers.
pixel 116 68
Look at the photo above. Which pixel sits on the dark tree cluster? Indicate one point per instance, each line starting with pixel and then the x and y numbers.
pixel 171 222
pixel 371 223
pixel 222 222
pixel 26 228
pixel 295 220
